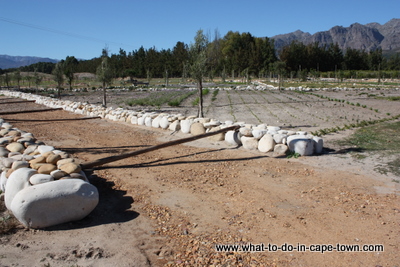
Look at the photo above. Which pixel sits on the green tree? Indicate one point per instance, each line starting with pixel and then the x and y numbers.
pixel 58 76
pixel 198 65
pixel 105 74
pixel 70 65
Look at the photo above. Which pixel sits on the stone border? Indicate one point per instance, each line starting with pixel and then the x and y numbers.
pixel 264 138
pixel 42 186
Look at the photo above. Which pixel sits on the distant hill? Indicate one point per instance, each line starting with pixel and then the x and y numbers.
pixel 7 62
pixel 357 36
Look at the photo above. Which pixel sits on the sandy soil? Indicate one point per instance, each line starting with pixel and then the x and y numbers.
pixel 172 206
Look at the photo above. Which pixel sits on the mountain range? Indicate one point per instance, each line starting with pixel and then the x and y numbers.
pixel 7 61
pixel 357 36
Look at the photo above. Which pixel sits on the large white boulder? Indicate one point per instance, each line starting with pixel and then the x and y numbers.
pixel 258 133
pixel 134 120
pixel 266 143
pixel 148 121
pixel 280 138
pixel 164 122
pixel 175 126
pixel 318 144
pixel 53 203
pixel 185 126
pixel 301 144
pixel 141 121
pixel 250 143
pixel 156 122
pixel 197 128
pixel 18 180
pixel 233 138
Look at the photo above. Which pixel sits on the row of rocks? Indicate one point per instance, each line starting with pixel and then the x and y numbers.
pixel 41 186
pixel 264 138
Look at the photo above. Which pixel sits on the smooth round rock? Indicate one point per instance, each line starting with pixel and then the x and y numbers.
pixel 64 161
pixel 318 144
pixel 47 168
pixel 250 143
pixel 53 203
pixel 266 143
pixel 148 121
pixel 17 181
pixel 70 168
pixel 57 174
pixel 245 131
pixel 185 126
pixel 3 151
pixel 156 122
pixel 301 144
pixel 164 122
pixel 19 164
pixel 233 138
pixel 197 128
pixel 216 137
pixel 15 147
pixel 39 159
pixel 175 126
pixel 280 150
pixel 43 149
pixel 40 178
pixel 258 133
pixel 7 162
pixel 53 158
pixel 279 138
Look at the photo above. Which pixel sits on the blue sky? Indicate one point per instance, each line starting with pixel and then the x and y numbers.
pixel 82 28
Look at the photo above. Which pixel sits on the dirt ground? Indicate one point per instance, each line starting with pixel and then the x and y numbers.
pixel 171 207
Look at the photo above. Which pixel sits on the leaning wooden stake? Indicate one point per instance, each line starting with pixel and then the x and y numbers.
pixel 103 161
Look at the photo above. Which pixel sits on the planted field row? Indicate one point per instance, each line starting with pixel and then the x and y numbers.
pixel 310 111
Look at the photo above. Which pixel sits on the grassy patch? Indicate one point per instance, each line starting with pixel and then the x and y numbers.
pixel 196 101
pixel 159 98
pixel 390 98
pixel 7 220
pixel 382 138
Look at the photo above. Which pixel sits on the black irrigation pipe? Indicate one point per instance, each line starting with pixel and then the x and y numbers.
pixel 14 102
pixel 28 111
pixel 76 119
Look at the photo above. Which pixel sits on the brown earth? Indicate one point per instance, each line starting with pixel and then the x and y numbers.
pixel 172 206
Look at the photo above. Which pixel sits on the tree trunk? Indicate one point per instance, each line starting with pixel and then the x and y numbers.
pixel 104 96
pixel 200 88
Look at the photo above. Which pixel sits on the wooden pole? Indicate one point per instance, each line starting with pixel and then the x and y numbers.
pixel 28 111
pixel 103 161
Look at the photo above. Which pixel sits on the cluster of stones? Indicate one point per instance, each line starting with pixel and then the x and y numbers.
pixel 41 186
pixel 264 138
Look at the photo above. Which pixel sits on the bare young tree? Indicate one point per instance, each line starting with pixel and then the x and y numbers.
pixel 198 65
pixel 18 78
pixel 105 74
pixel 58 76
pixel 37 79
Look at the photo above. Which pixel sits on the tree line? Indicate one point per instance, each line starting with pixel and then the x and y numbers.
pixel 234 55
